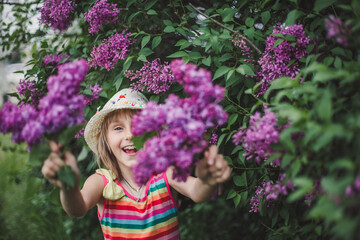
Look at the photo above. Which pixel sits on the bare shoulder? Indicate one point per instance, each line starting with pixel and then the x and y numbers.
pixel 92 189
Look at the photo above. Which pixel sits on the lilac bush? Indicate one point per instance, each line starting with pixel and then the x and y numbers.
pixel 111 50
pixel 153 76
pixel 283 59
pixel 257 139
pixel 101 13
pixel 180 123
pixel 61 108
pixel 57 13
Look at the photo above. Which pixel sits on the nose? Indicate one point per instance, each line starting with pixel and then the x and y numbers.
pixel 129 135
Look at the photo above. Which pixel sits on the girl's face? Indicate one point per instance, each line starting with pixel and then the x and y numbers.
pixel 119 137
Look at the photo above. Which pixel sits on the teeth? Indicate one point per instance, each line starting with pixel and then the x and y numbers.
pixel 129 148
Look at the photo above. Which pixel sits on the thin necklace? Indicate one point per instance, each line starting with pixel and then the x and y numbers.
pixel 132 188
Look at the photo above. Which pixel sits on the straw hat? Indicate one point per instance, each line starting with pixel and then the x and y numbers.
pixel 124 99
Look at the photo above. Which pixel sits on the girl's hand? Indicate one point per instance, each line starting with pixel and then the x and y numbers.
pixel 213 169
pixel 53 163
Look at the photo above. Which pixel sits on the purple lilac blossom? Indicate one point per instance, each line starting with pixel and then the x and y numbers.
pixel 275 61
pixel 57 13
pixel 257 139
pixel 96 90
pixel 101 13
pixel 214 138
pixel 80 134
pixel 62 107
pixel 354 189
pixel 111 50
pixel 153 76
pixel 336 29
pixel 181 124
pixel 239 42
pixel 26 89
pixel 54 59
pixel 270 191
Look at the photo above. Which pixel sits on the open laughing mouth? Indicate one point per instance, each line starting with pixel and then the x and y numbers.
pixel 130 150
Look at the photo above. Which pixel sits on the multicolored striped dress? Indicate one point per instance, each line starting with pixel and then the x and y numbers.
pixel 152 217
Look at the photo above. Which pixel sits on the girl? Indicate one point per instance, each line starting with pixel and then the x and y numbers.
pixel 125 209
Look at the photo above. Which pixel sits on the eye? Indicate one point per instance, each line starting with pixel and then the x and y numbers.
pixel 118 128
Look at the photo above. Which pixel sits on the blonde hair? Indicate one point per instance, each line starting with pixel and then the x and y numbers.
pixel 105 157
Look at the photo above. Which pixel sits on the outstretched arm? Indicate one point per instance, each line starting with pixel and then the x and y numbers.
pixel 210 171
pixel 75 202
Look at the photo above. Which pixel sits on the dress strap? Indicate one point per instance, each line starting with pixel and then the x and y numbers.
pixel 111 191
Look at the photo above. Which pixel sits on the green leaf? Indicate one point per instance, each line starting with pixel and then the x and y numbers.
pixel 207 61
pixel 240 181
pixel 144 41
pixel 146 52
pixel 150 4
pixel 231 194
pixel 278 42
pixel 38 154
pixel 220 72
pixel 67 176
pixel 156 41
pixel 167 22
pixel 249 22
pixel 169 29
pixel 127 63
pixel 324 106
pixel 237 200
pixel 321 4
pixel 139 141
pixel 293 16
pixel 151 12
pixel 233 117
pixel 83 154
pixel 265 17
pixel 245 69
pixel 178 54
pixel 228 14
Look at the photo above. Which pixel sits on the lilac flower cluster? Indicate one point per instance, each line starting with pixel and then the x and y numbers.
pixel 238 41
pixel 354 189
pixel 57 13
pixel 62 107
pixel 26 89
pixel 180 123
pixel 53 60
pixel 214 138
pixel 257 139
pixel 270 191
pixel 111 50
pixel 101 13
pixel 156 77
pixel 96 90
pixel 282 60
pixel 336 29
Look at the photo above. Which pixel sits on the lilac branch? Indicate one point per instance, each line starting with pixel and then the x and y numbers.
pixel 225 27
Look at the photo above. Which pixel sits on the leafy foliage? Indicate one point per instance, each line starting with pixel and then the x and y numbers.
pixel 321 103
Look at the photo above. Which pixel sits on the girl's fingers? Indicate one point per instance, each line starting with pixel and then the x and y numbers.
pixel 55 147
pixel 225 175
pixel 212 154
